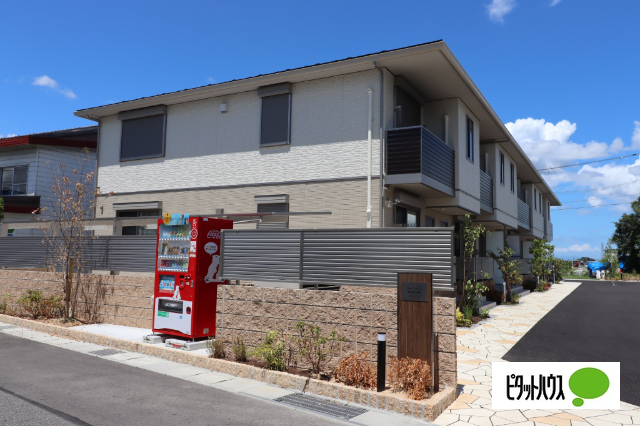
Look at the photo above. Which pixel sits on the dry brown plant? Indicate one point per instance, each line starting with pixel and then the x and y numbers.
pixel 356 370
pixel 411 375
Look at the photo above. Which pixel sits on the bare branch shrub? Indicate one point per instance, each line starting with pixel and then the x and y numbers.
pixel 411 375
pixel 356 370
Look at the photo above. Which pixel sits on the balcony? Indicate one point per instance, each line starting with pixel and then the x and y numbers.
pixel 476 268
pixel 524 215
pixel 420 162
pixel 486 192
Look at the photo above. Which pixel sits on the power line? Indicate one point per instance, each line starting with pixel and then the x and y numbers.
pixel 603 198
pixel 591 207
pixel 588 162
pixel 602 187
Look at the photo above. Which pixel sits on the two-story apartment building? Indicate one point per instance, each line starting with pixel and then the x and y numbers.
pixel 27 164
pixel 395 138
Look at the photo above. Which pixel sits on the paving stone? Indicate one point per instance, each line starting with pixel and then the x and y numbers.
pixel 446 419
pixel 615 418
pixel 551 420
pixel 512 415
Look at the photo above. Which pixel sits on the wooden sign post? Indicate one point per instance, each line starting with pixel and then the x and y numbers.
pixel 415 319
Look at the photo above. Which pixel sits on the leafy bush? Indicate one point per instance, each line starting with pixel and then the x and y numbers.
pixel 215 348
pixel 314 347
pixel 461 320
pixel 515 298
pixel 36 305
pixel 410 374
pixel 273 351
pixel 356 370
pixel 3 304
pixel 484 313
pixel 239 349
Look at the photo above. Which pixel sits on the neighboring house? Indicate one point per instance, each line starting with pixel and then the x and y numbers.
pixel 26 164
pixel 298 141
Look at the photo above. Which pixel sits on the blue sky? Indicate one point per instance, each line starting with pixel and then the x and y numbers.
pixel 568 70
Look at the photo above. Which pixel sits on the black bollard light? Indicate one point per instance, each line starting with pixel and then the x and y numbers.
pixel 382 360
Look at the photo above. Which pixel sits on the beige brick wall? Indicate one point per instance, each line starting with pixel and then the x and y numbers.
pixel 358 314
pixel 107 299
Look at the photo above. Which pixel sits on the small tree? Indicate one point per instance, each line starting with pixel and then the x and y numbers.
pixel 542 254
pixel 468 235
pixel 69 212
pixel 509 268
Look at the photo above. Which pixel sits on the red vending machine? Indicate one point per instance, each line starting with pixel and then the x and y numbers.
pixel 186 284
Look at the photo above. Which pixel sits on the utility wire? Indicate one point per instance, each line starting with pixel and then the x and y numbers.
pixel 602 187
pixel 591 207
pixel 588 162
pixel 603 198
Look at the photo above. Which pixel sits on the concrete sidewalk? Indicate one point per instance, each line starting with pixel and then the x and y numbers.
pixel 246 387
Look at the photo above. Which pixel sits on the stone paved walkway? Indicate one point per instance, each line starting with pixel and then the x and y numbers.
pixel 490 341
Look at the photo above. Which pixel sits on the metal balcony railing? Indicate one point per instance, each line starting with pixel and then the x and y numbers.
pixel 413 150
pixel 486 192
pixel 524 214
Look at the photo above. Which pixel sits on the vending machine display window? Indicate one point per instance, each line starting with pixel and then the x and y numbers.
pixel 173 247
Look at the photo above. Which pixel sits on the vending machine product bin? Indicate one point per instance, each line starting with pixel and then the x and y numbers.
pixel 186 281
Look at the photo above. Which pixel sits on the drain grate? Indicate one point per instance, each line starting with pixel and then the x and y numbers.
pixel 106 352
pixel 322 406
pixel 7 327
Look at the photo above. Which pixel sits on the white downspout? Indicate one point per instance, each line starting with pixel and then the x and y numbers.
pixel 369 148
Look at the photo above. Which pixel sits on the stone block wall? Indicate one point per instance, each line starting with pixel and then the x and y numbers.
pixel 110 299
pixel 359 316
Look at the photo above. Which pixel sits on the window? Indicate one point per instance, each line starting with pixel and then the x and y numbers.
pixel 540 201
pixel 407 217
pixel 282 222
pixel 470 139
pixel 429 222
pixel 502 169
pixel 139 230
pixel 143 133
pixel 513 177
pixel 535 200
pixel 14 180
pixel 275 122
pixel 444 224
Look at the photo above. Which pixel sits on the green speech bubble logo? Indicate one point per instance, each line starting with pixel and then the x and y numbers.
pixel 588 383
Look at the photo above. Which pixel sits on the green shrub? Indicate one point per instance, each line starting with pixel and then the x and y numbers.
pixel 215 348
pixel 461 321
pixel 239 349
pixel 272 350
pixel 315 347
pixel 36 305
pixel 3 304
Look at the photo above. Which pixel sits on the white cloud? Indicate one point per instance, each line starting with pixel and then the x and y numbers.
pixel 499 8
pixel 549 145
pixel 576 248
pixel 9 135
pixel 46 81
pixel 554 2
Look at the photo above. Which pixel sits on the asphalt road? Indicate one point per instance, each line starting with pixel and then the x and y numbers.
pixel 46 385
pixel 597 322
